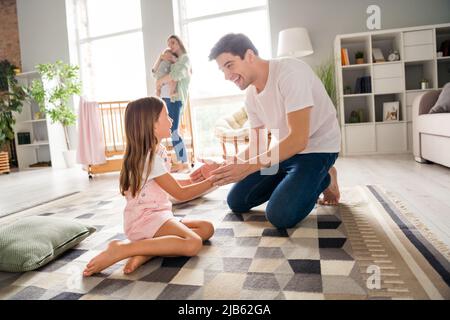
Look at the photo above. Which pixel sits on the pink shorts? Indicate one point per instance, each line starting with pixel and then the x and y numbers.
pixel 146 225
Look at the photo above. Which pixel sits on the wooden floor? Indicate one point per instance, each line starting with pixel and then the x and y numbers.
pixel 424 188
pixel 24 189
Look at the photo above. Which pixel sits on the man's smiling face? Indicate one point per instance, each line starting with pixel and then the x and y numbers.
pixel 235 69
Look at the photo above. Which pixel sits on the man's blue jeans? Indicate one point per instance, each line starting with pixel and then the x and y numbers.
pixel 174 109
pixel 292 192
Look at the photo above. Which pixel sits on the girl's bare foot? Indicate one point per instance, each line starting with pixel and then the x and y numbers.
pixel 135 262
pixel 105 259
pixel 331 195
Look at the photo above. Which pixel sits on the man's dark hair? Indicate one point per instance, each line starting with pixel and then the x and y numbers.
pixel 234 43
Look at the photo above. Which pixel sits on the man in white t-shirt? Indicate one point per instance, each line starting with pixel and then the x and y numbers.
pixel 285 97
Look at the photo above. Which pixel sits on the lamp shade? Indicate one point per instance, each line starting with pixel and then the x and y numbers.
pixel 294 42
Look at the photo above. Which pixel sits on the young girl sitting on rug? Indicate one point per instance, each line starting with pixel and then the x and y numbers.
pixel 145 181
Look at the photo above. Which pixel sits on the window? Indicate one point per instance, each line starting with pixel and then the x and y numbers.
pixel 107 38
pixel 202 23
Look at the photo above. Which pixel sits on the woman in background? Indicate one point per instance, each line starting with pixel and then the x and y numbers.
pixel 180 71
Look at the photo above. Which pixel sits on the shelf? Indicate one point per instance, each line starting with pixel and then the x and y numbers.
pixel 418 70
pixel 443 72
pixel 443 58
pixel 351 77
pixel 354 45
pixel 356 66
pixel 359 124
pixel 380 112
pixel 387 43
pixel 357 95
pixel 390 122
pixel 35 144
pixel 417 62
pixel 386 62
pixel 375 123
pixel 420 90
pixel 387 94
pixel 362 105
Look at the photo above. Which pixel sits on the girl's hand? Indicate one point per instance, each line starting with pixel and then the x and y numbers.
pixel 232 172
pixel 204 172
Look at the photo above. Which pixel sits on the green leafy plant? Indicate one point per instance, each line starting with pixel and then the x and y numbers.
pixel 326 72
pixel 359 55
pixel 12 96
pixel 60 81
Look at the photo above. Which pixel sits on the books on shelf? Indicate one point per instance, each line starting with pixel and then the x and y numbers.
pixel 344 57
pixel 363 85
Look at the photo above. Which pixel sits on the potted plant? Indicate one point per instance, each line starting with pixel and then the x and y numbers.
pixel 359 57
pixel 424 84
pixel 12 96
pixel 325 72
pixel 60 81
pixel 347 90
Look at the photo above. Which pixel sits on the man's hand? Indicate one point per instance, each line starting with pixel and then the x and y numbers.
pixel 204 172
pixel 233 172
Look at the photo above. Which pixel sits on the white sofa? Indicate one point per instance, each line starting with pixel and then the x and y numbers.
pixel 431 132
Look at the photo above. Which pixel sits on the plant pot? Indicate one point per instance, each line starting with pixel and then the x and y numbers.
pixel 69 158
pixel 4 162
pixel 424 85
pixel 360 61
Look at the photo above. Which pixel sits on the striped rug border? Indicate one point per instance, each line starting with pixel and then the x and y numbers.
pixel 430 253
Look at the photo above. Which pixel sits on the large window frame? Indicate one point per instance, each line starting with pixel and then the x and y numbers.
pixel 203 104
pixel 181 28
pixel 78 9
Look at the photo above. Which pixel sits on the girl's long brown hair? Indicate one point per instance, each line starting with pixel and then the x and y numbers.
pixel 140 118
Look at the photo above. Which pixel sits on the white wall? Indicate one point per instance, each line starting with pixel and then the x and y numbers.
pixel 325 19
pixel 42 32
pixel 157 26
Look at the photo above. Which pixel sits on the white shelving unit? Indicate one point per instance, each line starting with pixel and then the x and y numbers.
pixel 46 139
pixel 390 81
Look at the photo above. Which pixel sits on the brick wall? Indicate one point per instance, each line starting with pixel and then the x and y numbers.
pixel 9 32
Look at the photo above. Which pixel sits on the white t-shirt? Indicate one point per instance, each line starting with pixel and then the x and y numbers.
pixel 292 85
pixel 159 164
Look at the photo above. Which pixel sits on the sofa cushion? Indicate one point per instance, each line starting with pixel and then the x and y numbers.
pixel 427 100
pixel 435 124
pixel 442 105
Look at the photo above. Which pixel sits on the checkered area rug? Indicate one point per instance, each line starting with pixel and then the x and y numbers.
pixel 369 247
